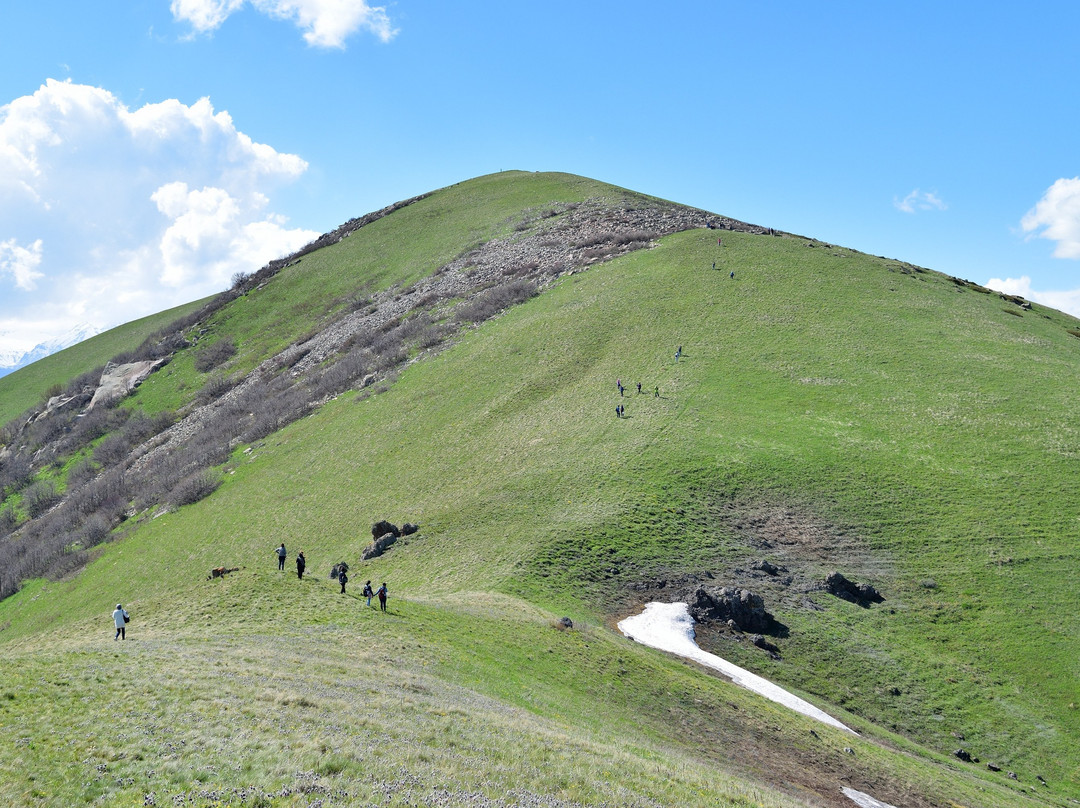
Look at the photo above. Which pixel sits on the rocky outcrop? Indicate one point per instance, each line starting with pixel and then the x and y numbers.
pixel 378 547
pixel 380 529
pixel 862 594
pixel 119 380
pixel 741 607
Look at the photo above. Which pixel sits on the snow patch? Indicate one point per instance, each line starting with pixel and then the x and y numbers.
pixel 864 800
pixel 669 627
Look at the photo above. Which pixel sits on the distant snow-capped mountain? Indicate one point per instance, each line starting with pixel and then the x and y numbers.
pixel 13 360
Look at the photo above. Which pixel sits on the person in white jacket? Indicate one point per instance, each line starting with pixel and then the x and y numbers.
pixel 120 618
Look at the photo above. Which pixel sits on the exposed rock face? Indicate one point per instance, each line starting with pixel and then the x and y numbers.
pixel 378 547
pixel 119 380
pixel 862 594
pixel 380 529
pixel 740 606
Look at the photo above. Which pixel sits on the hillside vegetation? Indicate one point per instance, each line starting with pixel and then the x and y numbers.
pixel 829 411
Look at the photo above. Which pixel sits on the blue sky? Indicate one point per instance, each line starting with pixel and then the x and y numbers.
pixel 149 150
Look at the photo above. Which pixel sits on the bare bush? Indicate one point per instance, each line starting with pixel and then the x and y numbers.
pixel 16 472
pixel 213 355
pixel 338 377
pixel 492 301
pixel 8 521
pixel 82 472
pixel 39 497
pixel 114 449
pixel 193 488
pixel 216 386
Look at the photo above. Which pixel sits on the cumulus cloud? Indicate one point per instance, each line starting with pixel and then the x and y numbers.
pixel 108 214
pixel 1066 300
pixel 325 23
pixel 20 263
pixel 1057 217
pixel 919 200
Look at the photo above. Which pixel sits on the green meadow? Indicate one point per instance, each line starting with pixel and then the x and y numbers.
pixel 830 410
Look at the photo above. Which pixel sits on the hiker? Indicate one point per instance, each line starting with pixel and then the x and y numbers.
pixel 368 593
pixel 639 388
pixel 733 274
pixel 621 389
pixel 281 553
pixel 720 242
pixel 714 265
pixel 120 619
pixel 301 562
pixel 656 392
pixel 382 596
pixel 342 579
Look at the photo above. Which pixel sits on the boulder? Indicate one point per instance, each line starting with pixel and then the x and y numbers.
pixel 378 547
pixel 380 529
pixel 408 529
pixel 723 604
pixel 862 594
pixel 962 754
pixel 119 380
pixel 566 622
pixel 765 566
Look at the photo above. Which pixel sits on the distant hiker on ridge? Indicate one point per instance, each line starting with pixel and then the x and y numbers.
pixel 301 562
pixel 281 553
pixel 342 579
pixel 639 388
pixel 120 619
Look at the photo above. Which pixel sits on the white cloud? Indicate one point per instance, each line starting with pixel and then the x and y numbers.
pixel 919 200
pixel 325 23
pixel 1066 300
pixel 21 263
pixel 1057 217
pixel 108 214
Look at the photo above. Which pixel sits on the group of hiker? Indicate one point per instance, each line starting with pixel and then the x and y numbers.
pixel 339 573
pixel 620 408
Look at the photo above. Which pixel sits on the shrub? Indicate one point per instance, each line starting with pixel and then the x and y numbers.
pixel 8 521
pixel 493 300
pixel 114 449
pixel 16 473
pixel 216 386
pixel 39 497
pixel 213 355
pixel 81 473
pixel 194 487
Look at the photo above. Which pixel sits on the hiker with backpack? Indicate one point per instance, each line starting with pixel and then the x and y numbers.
pixel 281 553
pixel 382 596
pixel 342 579
pixel 301 562
pixel 368 593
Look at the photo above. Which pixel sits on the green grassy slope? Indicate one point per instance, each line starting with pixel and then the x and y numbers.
pixel 26 387
pixel 909 431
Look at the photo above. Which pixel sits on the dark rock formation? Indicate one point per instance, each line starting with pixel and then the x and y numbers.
pixel 380 529
pixel 962 754
pixel 566 622
pixel 722 604
pixel 378 547
pixel 408 529
pixel 862 594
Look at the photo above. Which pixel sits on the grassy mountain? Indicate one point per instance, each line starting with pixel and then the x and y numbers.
pixel 830 410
